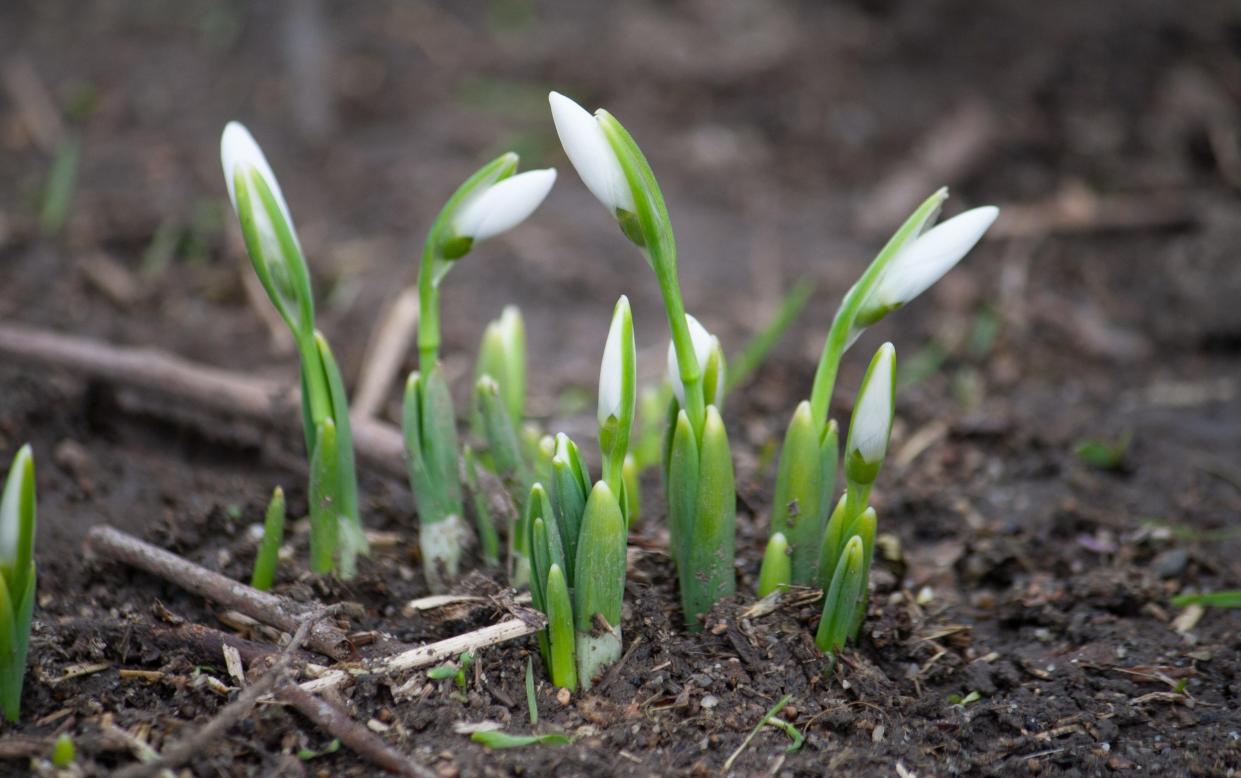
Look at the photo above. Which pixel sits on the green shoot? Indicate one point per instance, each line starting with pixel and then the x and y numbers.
pixel 337 536
pixel 764 721
pixel 488 538
pixel 17 578
pixel 58 194
pixel 1104 454
pixel 496 739
pixel 268 556
pixel 1228 599
pixel 64 753
pixel 532 703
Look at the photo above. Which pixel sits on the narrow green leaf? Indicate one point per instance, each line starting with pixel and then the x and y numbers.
pixel 488 538
pixel 631 476
pixel 833 543
pixel 439 443
pixel 1229 599
pixel 497 739
pixel 347 480
pixel 776 572
pixel 681 484
pixel 58 193
pixel 324 478
pixel 560 630
pixel 532 703
pixel 570 488
pixel 709 576
pixel 268 556
pixel 841 601
pixel 502 442
pixel 600 578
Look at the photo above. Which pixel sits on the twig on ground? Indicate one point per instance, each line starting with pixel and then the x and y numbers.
pixel 203 643
pixel 385 350
pixel 236 710
pixel 338 723
pixel 268 608
pixel 35 105
pixel 206 387
pixel 433 653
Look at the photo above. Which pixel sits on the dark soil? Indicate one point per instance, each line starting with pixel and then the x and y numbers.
pixel 1013 569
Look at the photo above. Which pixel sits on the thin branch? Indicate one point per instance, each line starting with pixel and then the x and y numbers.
pixel 338 723
pixel 434 653
pixel 268 608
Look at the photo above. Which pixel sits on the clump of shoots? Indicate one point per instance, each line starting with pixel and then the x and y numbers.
pixel 576 536
pixel 698 465
pixel 337 536
pixel 268 556
pixel 912 260
pixel 17 578
pixel 491 201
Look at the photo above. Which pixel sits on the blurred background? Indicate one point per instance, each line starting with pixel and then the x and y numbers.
pixel 790 138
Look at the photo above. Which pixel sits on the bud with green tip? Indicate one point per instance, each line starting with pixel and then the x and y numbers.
pixel 871 426
pixel 618 389
pixel 17 578
pixel 276 255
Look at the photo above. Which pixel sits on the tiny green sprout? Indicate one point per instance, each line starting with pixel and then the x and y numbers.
pixel 496 739
pixel 776 572
pixel 268 556
pixel 337 536
pixel 17 578
pixel 493 200
pixel 793 732
pixel 307 754
pixel 1104 454
pixel 532 703
pixel 956 699
pixel 64 753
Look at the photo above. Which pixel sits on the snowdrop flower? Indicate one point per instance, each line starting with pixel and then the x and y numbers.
pixel 503 205
pixel 872 416
pixel 925 260
pixel 705 345
pixel 617 374
pixel 239 153
pixel 591 153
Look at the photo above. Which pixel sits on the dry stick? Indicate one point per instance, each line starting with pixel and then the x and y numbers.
pixel 204 386
pixel 338 723
pixel 385 350
pixel 434 653
pixel 237 709
pixel 268 608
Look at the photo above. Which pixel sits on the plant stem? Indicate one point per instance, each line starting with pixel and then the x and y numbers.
pixel 429 309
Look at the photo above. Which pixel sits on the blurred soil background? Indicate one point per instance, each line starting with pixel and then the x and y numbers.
pixel 790 138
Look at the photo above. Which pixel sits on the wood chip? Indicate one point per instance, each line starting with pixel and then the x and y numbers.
pixel 1188 618
pixel 150 676
pixel 79 670
pixel 232 662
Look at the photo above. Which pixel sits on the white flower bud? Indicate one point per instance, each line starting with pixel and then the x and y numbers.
pixel 872 416
pixel 926 259
pixel 591 154
pixel 704 344
pixel 504 205
pixel 617 368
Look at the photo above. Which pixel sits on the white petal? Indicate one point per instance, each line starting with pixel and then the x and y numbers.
pixel 931 255
pixel 239 152
pixel 591 154
pixel 502 207
pixel 612 368
pixel 703 343
pixel 872 419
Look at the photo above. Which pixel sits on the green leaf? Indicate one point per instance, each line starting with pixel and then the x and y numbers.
pixel 497 739
pixel 799 506
pixel 1228 599
pixel 956 699
pixel 600 577
pixel 708 576
pixel 488 538
pixel 570 488
pixel 842 598
pixel 502 442
pixel 775 572
pixel 793 732
pixel 347 480
pixel 306 754
pixel 532 703
pixel 560 630
pixel 682 486
pixel 268 556
pixel 324 492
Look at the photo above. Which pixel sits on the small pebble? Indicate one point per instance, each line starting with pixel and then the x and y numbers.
pixel 709 701
pixel 563 696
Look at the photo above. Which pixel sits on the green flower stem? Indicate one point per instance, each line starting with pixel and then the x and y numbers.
pixel 839 337
pixel 324 476
pixel 428 310
pixel 268 556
